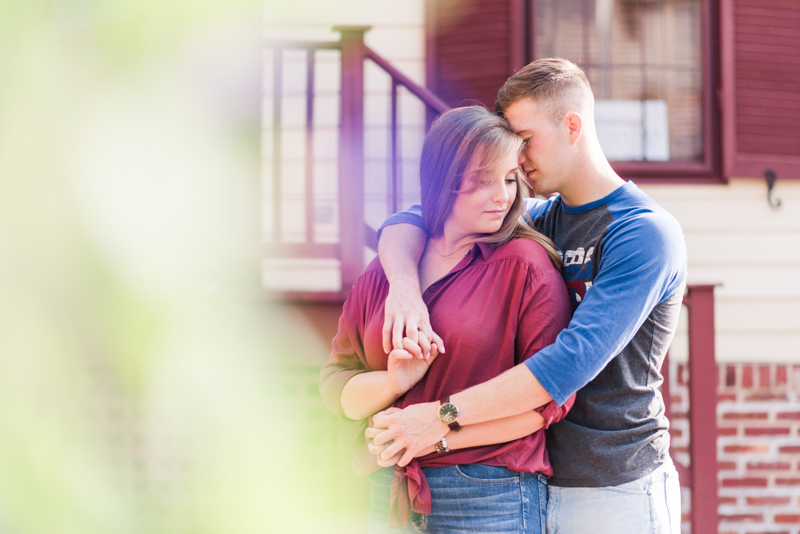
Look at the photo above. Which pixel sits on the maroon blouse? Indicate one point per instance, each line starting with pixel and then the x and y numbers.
pixel 496 308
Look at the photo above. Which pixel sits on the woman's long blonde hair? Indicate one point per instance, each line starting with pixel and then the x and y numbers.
pixel 472 139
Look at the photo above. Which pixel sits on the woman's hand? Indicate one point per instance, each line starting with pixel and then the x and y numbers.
pixel 405 369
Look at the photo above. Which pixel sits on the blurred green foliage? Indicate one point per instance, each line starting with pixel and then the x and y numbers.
pixel 140 386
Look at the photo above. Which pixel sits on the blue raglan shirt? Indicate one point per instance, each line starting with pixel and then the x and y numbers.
pixel 625 268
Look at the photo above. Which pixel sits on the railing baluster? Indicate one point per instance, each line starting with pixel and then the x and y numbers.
pixel 277 97
pixel 351 155
pixel 393 201
pixel 310 147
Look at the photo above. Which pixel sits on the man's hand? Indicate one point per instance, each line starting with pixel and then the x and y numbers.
pixel 414 429
pixel 405 315
pixel 371 432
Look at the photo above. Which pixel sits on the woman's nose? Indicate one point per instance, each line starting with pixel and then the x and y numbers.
pixel 501 193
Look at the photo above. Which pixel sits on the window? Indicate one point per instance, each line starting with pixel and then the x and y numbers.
pixel 649 65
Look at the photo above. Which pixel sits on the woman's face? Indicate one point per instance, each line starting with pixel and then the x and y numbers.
pixel 486 198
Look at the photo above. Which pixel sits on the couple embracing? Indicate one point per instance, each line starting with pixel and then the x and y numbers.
pixel 504 352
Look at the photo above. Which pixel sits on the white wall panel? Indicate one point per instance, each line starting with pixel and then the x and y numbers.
pixel 734 238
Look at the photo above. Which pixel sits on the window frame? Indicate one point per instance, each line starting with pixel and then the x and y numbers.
pixel 709 170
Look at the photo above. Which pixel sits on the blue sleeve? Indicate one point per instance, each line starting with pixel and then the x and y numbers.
pixel 643 263
pixel 412 215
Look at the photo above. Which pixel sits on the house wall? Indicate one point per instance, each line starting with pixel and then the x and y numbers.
pixel 735 239
pixel 758 449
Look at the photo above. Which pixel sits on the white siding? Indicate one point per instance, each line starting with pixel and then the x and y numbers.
pixel 735 239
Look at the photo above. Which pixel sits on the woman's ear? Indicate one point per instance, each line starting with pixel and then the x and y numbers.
pixel 574 123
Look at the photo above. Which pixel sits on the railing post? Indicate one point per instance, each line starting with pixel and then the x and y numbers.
pixel 351 155
pixel 703 409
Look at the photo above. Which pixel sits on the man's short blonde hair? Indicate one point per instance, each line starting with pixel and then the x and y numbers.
pixel 557 83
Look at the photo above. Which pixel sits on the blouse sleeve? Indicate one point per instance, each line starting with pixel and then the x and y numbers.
pixel 553 413
pixel 347 357
pixel 545 311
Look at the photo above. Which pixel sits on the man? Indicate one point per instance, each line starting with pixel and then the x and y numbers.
pixel 625 268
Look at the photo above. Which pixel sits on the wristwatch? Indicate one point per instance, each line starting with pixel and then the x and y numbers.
pixel 441 446
pixel 448 414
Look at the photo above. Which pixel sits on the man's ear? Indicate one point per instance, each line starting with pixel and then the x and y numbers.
pixel 574 123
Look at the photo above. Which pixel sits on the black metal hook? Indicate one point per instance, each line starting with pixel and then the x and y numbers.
pixel 770 177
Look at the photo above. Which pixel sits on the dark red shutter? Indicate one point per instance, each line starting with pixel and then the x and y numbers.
pixel 473 46
pixel 761 87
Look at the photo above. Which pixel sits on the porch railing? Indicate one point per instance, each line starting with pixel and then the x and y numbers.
pixel 354 233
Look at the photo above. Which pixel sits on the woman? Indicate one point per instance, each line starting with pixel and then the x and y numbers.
pixel 495 293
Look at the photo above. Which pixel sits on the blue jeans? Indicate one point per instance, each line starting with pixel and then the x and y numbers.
pixel 473 498
pixel 649 505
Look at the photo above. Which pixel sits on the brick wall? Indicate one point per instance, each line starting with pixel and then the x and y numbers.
pixel 758 450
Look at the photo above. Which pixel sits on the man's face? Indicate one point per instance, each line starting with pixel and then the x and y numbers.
pixel 543 152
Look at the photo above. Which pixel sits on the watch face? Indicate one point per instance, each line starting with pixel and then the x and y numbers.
pixel 448 413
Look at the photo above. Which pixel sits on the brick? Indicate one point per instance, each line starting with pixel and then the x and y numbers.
pixel 722 397
pixel 746 448
pixel 745 415
pixel 763 376
pixel 726 466
pixel 767 501
pixel 780 375
pixel 682 374
pixel 767 396
pixel 787 481
pixel 729 431
pixel 730 375
pixel 768 466
pixel 790 449
pixel 793 416
pixel 747 376
pixel 744 482
pixel 774 431
pixel 728 500
pixel 676 432
pixel 741 517
pixel 676 399
pixel 787 518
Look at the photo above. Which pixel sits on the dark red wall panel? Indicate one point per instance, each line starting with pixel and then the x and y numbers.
pixel 473 47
